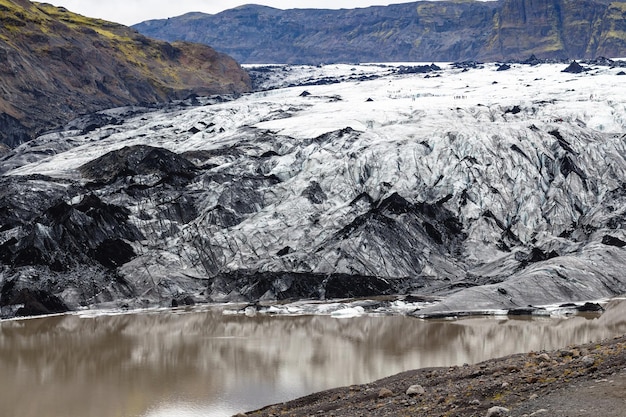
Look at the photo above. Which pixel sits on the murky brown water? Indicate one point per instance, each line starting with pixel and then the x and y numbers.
pixel 207 364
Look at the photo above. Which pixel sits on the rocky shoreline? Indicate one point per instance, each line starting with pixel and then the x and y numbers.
pixel 575 381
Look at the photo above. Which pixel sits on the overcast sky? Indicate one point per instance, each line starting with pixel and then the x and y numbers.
pixel 129 12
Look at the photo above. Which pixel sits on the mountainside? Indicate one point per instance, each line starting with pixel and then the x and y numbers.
pixel 56 65
pixel 479 187
pixel 412 32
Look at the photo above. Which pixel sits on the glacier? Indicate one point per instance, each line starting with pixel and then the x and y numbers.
pixel 480 189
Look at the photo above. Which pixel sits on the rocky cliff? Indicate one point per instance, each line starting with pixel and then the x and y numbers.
pixel 56 65
pixel 419 31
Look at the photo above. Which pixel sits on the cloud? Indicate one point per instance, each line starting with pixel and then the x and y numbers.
pixel 129 12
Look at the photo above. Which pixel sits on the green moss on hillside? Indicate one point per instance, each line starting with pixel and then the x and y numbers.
pixel 57 64
pixel 616 15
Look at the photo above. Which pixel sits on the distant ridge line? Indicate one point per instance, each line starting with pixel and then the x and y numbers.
pixel 425 31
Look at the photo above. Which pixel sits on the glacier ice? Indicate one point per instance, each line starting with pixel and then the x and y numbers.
pixel 487 189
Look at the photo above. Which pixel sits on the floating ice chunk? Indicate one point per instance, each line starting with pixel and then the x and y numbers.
pixel 349 312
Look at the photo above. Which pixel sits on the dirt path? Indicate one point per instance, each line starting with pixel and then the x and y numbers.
pixel 603 397
pixel 577 381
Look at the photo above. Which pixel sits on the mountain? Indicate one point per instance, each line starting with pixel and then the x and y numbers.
pixel 478 187
pixel 422 31
pixel 56 65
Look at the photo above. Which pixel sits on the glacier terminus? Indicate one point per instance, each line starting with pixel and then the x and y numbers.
pixel 464 188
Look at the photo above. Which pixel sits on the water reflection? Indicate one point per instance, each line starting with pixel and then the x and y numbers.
pixel 206 364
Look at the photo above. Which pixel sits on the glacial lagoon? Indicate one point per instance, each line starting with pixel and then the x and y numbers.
pixel 203 362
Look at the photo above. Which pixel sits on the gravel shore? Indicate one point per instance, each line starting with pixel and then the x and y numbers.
pixel 576 381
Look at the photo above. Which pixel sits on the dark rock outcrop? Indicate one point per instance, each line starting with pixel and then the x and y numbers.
pixel 138 160
pixel 574 68
pixel 254 286
pixel 32 302
pixel 419 31
pixel 64 236
pixel 56 65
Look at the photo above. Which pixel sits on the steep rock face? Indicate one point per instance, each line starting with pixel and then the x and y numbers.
pixel 555 29
pixel 56 65
pixel 610 32
pixel 419 31
pixel 404 32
